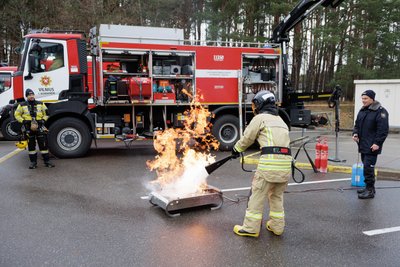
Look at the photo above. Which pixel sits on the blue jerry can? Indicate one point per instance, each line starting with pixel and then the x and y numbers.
pixel 357 175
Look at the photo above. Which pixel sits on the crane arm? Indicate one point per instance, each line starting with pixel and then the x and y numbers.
pixel 297 15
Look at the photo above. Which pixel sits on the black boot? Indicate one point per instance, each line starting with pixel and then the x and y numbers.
pixel 49 164
pixel 362 190
pixel 33 159
pixel 33 165
pixel 46 159
pixel 368 193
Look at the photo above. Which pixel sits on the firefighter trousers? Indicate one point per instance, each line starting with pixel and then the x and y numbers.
pixel 260 190
pixel 41 139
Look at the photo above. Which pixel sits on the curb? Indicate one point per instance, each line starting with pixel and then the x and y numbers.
pixel 383 174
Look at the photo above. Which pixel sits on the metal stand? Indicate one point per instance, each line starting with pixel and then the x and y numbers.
pixel 334 102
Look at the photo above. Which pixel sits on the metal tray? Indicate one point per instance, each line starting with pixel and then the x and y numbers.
pixel 210 196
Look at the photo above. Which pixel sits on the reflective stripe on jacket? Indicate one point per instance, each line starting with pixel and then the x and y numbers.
pixel 268 130
pixel 23 113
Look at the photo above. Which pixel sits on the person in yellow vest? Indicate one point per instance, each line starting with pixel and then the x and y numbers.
pixel 274 166
pixel 32 115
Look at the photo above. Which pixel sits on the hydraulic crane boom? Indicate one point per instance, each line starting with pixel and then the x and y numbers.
pixel 291 100
pixel 297 15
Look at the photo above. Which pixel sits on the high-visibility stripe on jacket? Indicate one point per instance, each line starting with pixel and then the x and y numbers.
pixel 23 112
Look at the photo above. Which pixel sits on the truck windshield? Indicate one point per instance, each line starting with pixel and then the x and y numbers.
pixel 5 82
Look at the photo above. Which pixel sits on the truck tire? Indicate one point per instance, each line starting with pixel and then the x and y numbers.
pixel 6 131
pixel 69 138
pixel 226 130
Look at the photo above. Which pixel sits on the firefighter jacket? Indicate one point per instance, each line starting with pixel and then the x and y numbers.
pixel 25 111
pixel 372 127
pixel 268 130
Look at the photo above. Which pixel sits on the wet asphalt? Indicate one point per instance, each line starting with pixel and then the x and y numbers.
pixel 91 212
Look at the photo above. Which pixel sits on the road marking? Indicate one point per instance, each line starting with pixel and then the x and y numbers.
pixel 248 188
pixel 11 154
pixel 311 182
pixel 382 231
pixel 323 181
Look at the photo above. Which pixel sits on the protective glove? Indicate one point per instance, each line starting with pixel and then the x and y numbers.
pixel 235 153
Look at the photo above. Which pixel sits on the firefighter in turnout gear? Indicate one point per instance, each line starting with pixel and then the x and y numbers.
pixel 274 166
pixel 32 115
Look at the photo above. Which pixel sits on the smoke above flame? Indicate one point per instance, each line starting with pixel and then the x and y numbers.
pixel 183 154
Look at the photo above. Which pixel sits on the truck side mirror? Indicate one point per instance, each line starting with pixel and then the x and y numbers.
pixel 31 63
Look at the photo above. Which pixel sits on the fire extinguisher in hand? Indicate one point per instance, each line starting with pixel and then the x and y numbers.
pixel 324 157
pixel 317 161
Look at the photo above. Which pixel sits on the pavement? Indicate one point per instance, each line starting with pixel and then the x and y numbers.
pixel 94 211
pixel 343 153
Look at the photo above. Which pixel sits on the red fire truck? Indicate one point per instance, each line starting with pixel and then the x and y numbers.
pixel 6 94
pixel 138 78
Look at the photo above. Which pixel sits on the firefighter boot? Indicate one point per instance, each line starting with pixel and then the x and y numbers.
pixel 46 159
pixel 368 193
pixel 33 159
pixel 276 231
pixel 239 231
pixel 362 190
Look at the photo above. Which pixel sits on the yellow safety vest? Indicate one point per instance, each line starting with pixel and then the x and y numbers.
pixel 23 112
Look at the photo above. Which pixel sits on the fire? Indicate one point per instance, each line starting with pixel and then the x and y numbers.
pixel 183 154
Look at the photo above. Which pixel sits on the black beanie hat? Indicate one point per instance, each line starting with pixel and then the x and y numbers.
pixel 370 94
pixel 28 91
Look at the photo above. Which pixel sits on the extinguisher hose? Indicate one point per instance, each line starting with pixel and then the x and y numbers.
pixel 242 159
pixel 294 168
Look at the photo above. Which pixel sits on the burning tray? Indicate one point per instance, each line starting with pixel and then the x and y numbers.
pixel 208 197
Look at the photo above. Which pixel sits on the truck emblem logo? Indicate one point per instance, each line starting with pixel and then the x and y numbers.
pixel 218 57
pixel 45 81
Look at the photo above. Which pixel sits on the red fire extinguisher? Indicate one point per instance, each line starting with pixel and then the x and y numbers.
pixel 317 161
pixel 324 157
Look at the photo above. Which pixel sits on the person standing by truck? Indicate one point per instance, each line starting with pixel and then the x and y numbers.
pixel 274 167
pixel 32 115
pixel 370 131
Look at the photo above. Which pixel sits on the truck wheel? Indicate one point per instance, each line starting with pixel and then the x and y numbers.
pixel 226 130
pixel 69 138
pixel 6 131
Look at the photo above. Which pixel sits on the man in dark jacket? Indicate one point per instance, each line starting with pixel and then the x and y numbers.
pixel 370 131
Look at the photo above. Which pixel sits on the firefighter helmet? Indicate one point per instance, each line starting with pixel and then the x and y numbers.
pixel 262 99
pixel 22 144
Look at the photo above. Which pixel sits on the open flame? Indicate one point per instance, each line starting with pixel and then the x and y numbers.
pixel 183 154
